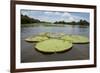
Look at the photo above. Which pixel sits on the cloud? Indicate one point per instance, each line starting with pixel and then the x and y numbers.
pixel 58 16
pixel 48 12
pixel 66 14
pixel 24 12
pixel 53 13
pixel 57 13
pixel 53 16
pixel 68 17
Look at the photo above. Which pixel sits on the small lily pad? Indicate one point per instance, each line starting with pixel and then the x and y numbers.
pixel 36 39
pixel 53 45
pixel 75 38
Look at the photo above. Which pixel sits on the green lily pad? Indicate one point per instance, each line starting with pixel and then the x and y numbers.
pixel 44 34
pixel 36 39
pixel 75 38
pixel 53 45
pixel 56 35
pixel 52 35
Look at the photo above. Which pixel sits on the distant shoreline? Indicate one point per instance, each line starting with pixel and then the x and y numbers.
pixel 47 25
pixel 27 20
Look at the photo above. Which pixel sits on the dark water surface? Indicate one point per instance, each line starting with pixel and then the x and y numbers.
pixel 77 52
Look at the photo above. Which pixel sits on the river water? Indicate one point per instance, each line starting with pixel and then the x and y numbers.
pixel 77 52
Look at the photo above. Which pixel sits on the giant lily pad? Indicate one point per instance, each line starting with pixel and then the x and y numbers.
pixel 51 35
pixel 75 38
pixel 36 39
pixel 53 45
pixel 56 35
pixel 44 34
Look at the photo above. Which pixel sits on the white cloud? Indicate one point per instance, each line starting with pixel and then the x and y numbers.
pixel 52 16
pixel 24 12
pixel 68 17
pixel 66 14
pixel 48 13
pixel 53 13
pixel 57 13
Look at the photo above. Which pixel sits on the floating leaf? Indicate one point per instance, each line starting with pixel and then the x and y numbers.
pixel 36 39
pixel 53 45
pixel 44 34
pixel 75 38
pixel 56 35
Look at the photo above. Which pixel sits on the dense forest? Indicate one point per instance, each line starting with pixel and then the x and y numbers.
pixel 27 20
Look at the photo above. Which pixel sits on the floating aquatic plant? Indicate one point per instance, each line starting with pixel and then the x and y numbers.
pixel 36 39
pixel 75 38
pixel 56 35
pixel 53 45
pixel 54 42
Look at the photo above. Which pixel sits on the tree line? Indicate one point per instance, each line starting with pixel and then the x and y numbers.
pixel 81 22
pixel 26 19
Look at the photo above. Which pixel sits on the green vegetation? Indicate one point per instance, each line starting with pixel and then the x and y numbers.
pixel 54 42
pixel 27 21
pixel 81 22
pixel 43 36
pixel 36 39
pixel 53 45
pixel 56 35
pixel 75 38
pixel 52 35
pixel 60 22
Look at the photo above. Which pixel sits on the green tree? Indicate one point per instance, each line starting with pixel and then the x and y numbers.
pixel 25 19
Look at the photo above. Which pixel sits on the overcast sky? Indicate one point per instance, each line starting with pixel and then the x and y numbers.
pixel 52 16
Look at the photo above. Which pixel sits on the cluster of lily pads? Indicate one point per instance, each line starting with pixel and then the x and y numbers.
pixel 54 42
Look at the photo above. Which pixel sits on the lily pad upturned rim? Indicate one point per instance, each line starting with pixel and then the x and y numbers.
pixel 76 39
pixel 51 35
pixel 36 39
pixel 53 45
pixel 56 35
